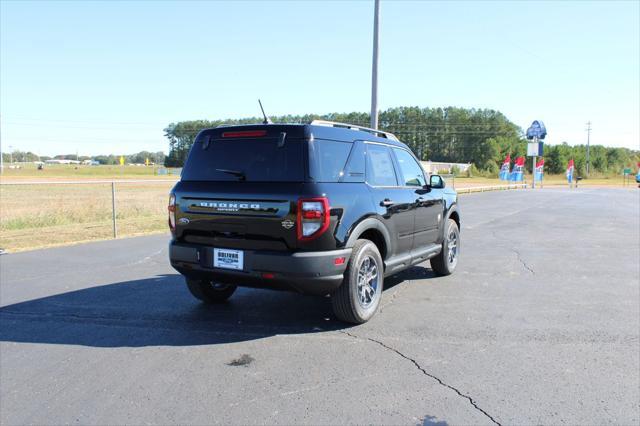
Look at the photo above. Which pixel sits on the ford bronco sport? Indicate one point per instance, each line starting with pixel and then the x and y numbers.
pixel 322 208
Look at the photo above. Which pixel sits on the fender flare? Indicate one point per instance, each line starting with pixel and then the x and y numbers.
pixel 452 208
pixel 365 225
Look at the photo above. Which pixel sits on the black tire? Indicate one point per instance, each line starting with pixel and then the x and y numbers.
pixel 445 262
pixel 208 291
pixel 347 301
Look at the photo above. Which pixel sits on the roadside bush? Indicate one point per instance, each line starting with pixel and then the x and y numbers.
pixel 455 171
pixel 492 170
pixel 472 171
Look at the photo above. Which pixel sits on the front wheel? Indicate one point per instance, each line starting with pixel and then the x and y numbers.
pixel 358 297
pixel 445 262
pixel 208 291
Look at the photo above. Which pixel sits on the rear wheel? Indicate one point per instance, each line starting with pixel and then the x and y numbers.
pixel 358 297
pixel 208 291
pixel 445 262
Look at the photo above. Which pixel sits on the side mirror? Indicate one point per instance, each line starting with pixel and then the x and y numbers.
pixel 436 182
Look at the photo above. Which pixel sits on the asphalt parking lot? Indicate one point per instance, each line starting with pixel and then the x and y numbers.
pixel 539 325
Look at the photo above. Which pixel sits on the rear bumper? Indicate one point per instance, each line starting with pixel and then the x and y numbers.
pixel 305 272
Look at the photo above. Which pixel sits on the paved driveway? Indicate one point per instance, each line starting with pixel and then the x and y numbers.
pixel 540 324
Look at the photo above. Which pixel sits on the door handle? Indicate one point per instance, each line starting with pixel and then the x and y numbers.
pixel 386 202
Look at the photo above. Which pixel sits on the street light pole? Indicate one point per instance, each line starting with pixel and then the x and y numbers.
pixel 533 166
pixel 374 67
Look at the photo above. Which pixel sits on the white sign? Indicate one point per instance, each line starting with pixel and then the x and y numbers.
pixel 533 149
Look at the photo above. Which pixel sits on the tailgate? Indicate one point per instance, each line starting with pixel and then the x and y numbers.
pixel 240 215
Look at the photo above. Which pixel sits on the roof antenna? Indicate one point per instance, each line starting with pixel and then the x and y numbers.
pixel 267 120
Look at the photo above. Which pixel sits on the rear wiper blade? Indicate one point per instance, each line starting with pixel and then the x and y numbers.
pixel 238 173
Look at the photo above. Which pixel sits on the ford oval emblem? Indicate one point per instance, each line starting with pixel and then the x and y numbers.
pixel 183 220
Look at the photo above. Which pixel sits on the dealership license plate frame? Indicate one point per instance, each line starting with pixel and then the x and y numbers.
pixel 228 259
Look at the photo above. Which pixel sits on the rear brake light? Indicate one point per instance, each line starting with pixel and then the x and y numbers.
pixel 245 134
pixel 313 217
pixel 172 212
pixel 311 214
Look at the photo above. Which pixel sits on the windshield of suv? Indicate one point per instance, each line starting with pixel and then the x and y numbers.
pixel 252 160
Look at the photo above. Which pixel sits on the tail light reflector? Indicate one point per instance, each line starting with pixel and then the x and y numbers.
pixel 313 217
pixel 172 212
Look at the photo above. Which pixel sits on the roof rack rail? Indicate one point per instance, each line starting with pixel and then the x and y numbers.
pixel 387 135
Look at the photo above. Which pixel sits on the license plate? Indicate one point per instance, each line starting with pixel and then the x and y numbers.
pixel 228 259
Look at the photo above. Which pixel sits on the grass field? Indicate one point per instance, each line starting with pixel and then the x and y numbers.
pixel 69 172
pixel 549 180
pixel 42 215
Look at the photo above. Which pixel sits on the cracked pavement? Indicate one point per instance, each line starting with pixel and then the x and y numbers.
pixel 539 325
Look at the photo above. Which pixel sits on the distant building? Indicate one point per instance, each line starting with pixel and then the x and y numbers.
pixel 434 167
pixel 62 162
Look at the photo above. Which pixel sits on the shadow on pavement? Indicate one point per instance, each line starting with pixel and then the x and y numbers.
pixel 160 311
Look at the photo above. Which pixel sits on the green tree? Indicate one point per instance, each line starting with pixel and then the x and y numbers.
pixel 480 136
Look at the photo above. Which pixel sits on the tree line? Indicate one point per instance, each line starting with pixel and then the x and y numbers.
pixel 440 134
pixel 479 136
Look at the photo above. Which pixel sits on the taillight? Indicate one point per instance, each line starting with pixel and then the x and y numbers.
pixel 313 217
pixel 172 212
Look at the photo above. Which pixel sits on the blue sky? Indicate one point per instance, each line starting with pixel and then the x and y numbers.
pixel 107 77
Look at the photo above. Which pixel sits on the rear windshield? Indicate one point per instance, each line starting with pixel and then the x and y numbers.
pixel 254 160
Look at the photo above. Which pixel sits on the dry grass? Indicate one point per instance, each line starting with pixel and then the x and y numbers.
pixel 39 215
pixel 549 180
pixel 33 216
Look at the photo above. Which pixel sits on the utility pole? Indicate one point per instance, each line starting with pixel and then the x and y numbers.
pixel 374 67
pixel 1 159
pixel 588 140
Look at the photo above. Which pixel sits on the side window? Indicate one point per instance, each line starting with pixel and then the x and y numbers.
pixel 355 170
pixel 327 159
pixel 412 174
pixel 380 170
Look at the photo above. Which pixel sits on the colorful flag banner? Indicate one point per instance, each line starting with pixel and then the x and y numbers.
pixel 517 174
pixel 570 168
pixel 539 172
pixel 505 169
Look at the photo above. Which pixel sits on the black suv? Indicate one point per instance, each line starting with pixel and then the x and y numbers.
pixel 322 208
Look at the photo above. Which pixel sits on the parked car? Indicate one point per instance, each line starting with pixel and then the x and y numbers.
pixel 322 208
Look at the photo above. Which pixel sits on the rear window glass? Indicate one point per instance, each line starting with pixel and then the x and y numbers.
pixel 380 170
pixel 258 160
pixel 327 159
